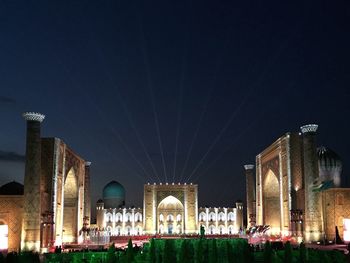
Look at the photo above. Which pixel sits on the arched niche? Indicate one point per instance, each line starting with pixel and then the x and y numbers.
pixel 70 208
pixel 271 201
pixel 168 208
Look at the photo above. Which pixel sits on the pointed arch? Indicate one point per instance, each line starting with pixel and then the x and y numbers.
pixel 70 207
pixel 170 209
pixel 271 201
pixel 170 202
pixel 202 216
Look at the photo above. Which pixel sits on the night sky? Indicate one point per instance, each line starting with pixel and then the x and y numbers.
pixel 186 91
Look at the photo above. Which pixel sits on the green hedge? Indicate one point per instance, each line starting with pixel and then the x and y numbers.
pixel 200 251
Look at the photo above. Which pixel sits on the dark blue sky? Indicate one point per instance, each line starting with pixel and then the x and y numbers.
pixel 196 89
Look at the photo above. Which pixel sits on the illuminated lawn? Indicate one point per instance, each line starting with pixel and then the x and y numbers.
pixel 200 251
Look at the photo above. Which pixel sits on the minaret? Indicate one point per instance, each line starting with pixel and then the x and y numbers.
pixel 313 230
pixel 250 189
pixel 31 206
pixel 87 200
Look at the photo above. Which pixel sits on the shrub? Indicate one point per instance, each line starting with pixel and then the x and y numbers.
pixel 302 253
pixel 288 253
pixel 267 252
pixel 169 255
pixel 199 251
pixel 111 258
pixel 213 252
pixel 130 252
pixel 152 252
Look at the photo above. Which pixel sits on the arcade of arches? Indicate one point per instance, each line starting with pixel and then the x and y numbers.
pixel 169 209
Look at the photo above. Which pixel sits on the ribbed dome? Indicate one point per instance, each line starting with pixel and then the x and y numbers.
pixel 113 195
pixel 113 189
pixel 12 188
pixel 330 165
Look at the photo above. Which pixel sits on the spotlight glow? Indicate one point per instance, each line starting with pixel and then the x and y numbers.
pixel 346 234
pixel 4 232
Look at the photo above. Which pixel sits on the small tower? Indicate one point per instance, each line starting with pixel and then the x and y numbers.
pixel 239 215
pixel 250 189
pixel 100 214
pixel 87 201
pixel 313 228
pixel 32 203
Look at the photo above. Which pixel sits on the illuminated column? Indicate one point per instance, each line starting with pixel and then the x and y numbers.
pixel 31 207
pixel 239 215
pixel 87 200
pixel 150 214
pixel 123 224
pixel 133 222
pixel 226 225
pixel 259 202
pixel 165 224
pixel 100 214
pixel 313 230
pixel 250 189
pixel 207 219
pixel 216 220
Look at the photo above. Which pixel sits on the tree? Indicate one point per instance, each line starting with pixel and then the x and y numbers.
pixel 248 253
pixel 288 254
pixel 338 256
pixel 25 257
pixel 186 252
pixel 111 258
pixel 323 257
pixel 11 258
pixel 205 250
pixel 267 252
pixel 152 252
pixel 130 252
pixel 169 254
pixel 213 253
pixel 230 255
pixel 183 253
pixel 199 251
pixel 275 257
pixel 302 253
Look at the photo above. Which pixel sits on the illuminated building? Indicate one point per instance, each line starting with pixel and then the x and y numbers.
pixel 168 209
pixel 11 209
pixel 293 189
pixel 54 203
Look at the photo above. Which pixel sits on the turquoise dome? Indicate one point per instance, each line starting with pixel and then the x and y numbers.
pixel 113 195
pixel 113 190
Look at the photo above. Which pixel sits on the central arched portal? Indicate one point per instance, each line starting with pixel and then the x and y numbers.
pixel 70 208
pixel 170 213
pixel 272 204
